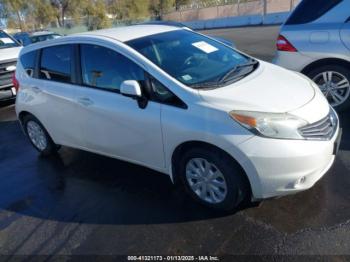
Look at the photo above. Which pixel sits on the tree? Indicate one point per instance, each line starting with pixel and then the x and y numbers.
pixel 11 22
pixel 15 9
pixel 43 13
pixel 126 9
pixel 138 9
pixel 65 7
pixel 159 7
pixel 116 8
pixel 95 12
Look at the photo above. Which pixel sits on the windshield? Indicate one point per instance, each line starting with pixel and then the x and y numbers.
pixel 40 38
pixel 7 41
pixel 191 58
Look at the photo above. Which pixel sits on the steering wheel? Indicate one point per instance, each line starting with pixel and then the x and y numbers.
pixel 193 61
pixel 188 61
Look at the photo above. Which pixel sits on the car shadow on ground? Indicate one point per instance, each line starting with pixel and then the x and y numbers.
pixel 81 187
pixel 77 186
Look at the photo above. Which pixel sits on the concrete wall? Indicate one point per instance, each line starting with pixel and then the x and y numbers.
pixel 243 9
pixel 247 20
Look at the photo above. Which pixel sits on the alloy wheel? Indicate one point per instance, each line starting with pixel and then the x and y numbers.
pixel 335 87
pixel 37 135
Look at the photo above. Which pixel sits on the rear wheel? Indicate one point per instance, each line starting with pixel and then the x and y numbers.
pixel 38 136
pixel 213 178
pixel 334 82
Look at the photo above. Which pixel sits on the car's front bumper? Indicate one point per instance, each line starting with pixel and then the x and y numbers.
pixel 280 167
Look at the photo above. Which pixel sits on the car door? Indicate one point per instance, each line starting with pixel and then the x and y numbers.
pixel 114 124
pixel 55 85
pixel 345 34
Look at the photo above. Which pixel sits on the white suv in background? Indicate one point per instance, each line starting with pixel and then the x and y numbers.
pixel 315 41
pixel 225 125
pixel 9 51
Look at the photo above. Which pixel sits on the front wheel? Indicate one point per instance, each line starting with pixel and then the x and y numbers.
pixel 334 82
pixel 212 178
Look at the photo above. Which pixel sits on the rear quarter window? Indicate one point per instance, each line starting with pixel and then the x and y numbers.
pixel 55 63
pixel 28 62
pixel 310 10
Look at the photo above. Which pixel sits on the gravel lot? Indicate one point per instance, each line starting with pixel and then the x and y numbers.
pixel 81 203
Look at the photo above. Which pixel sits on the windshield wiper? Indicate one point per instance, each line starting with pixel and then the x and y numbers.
pixel 235 69
pixel 205 85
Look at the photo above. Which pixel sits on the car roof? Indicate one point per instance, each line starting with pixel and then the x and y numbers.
pixel 164 22
pixel 127 33
pixel 121 34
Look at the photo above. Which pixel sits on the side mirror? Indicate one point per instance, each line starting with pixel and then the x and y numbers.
pixel 131 88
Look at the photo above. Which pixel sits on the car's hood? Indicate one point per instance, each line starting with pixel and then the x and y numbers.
pixel 269 89
pixel 9 53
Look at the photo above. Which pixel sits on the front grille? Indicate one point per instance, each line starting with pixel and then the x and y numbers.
pixel 321 130
pixel 5 75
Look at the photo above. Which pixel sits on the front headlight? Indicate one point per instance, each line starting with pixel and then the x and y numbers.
pixel 273 125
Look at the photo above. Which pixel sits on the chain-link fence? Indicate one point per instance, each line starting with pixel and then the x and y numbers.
pixel 227 8
pixel 81 25
pixel 204 4
pixel 200 10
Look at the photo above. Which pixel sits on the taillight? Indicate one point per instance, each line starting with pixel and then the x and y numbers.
pixel 15 81
pixel 284 45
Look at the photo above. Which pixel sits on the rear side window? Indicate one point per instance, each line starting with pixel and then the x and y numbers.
pixel 56 63
pixel 311 10
pixel 28 62
pixel 104 68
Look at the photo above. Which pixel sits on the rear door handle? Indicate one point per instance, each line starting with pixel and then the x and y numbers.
pixel 85 101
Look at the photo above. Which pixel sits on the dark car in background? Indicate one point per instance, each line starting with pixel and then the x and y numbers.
pixel 26 38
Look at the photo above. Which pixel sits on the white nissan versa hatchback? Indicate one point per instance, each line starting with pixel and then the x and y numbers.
pixel 228 126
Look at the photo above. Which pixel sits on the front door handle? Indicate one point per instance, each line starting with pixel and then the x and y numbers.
pixel 36 89
pixel 85 101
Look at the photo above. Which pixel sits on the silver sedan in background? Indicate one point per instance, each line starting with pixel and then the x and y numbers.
pixel 315 40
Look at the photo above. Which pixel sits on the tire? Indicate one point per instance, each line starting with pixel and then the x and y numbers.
pixel 338 72
pixel 45 149
pixel 237 186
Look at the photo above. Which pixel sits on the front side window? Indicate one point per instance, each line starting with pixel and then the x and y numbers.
pixel 308 11
pixel 28 62
pixel 193 59
pixel 104 68
pixel 56 63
